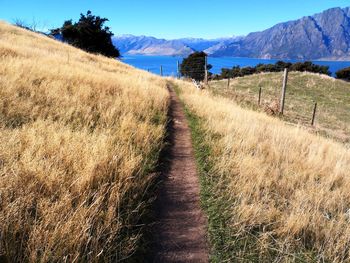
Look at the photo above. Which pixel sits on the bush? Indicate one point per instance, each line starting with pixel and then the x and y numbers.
pixel 277 67
pixel 266 68
pixel 248 71
pixel 231 73
pixel 310 67
pixel 343 74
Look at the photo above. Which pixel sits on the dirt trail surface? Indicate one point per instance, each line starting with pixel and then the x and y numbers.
pixel 180 233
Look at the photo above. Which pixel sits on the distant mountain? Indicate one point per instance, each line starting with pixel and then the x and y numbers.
pixel 200 44
pixel 321 36
pixel 223 44
pixel 145 45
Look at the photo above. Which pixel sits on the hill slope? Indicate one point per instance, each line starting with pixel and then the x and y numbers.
pixel 273 192
pixel 321 36
pixel 303 90
pixel 79 138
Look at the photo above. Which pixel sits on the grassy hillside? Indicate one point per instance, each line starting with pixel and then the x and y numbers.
pixel 303 90
pixel 79 139
pixel 273 192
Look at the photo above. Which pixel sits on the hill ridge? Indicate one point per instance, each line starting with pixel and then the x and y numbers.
pixel 324 35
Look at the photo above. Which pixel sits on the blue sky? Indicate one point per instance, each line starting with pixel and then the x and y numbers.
pixel 169 18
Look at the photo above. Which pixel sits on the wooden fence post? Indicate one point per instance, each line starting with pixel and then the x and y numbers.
pixel 161 71
pixel 284 88
pixel 206 70
pixel 259 101
pixel 314 115
pixel 228 82
pixel 178 69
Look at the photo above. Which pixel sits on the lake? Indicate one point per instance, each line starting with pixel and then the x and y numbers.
pixel 153 63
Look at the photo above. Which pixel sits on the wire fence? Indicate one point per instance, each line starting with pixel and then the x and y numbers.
pixel 200 67
pixel 197 66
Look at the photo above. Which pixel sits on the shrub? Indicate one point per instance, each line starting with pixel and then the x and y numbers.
pixel 343 74
pixel 308 66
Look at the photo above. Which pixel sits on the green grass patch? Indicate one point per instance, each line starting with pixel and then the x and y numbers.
pixel 214 205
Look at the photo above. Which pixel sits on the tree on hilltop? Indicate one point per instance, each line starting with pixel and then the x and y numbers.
pixel 89 34
pixel 194 66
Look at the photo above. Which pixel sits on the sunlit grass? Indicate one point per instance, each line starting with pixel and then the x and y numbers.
pixel 275 193
pixel 79 139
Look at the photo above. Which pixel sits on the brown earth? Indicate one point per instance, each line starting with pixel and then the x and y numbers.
pixel 180 232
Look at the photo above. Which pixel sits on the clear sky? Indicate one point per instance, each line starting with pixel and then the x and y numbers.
pixel 169 18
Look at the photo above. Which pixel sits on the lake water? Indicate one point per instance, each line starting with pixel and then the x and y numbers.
pixel 153 63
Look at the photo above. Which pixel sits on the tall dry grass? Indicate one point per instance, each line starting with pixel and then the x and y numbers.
pixel 79 139
pixel 286 191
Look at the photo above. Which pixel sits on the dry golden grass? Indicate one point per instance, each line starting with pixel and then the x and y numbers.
pixel 79 139
pixel 286 191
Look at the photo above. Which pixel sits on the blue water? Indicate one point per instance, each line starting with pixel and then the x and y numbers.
pixel 153 63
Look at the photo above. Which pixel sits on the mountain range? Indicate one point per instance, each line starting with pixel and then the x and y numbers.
pixel 147 45
pixel 322 36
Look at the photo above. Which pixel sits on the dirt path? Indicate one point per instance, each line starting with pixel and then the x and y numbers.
pixel 180 233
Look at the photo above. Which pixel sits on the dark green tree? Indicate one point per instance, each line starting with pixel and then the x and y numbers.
pixel 226 73
pixel 89 34
pixel 248 71
pixel 281 65
pixel 235 72
pixel 343 74
pixel 194 66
